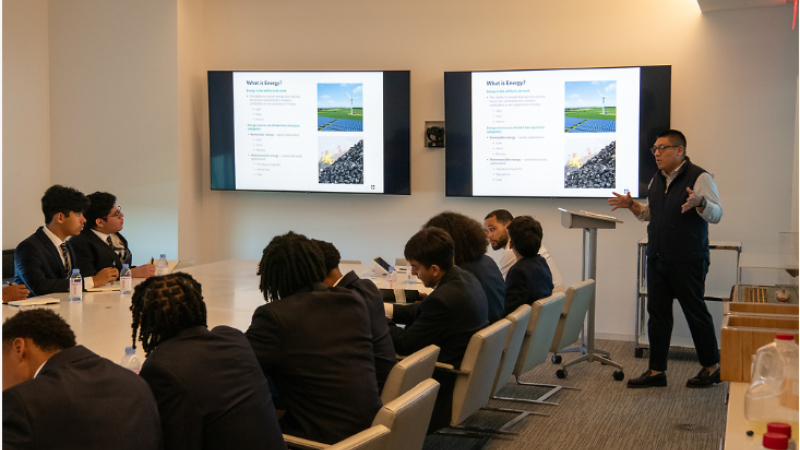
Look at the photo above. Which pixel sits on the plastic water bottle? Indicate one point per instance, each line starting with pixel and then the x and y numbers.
pixel 162 266
pixel 411 278
pixel 772 395
pixel 130 361
pixel 125 280
pixel 76 286
pixel 391 276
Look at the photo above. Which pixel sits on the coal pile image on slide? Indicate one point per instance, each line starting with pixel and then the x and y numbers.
pixel 347 169
pixel 598 172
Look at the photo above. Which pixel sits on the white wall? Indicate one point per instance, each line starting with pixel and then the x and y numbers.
pixel 114 111
pixel 127 81
pixel 26 117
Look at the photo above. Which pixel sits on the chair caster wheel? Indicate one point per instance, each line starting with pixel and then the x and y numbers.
pixel 639 352
pixel 561 373
pixel 556 359
pixel 619 375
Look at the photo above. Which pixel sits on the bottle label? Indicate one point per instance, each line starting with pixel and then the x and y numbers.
pixel 125 284
pixel 75 290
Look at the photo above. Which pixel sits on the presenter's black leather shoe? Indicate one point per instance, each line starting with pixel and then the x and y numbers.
pixel 704 379
pixel 646 380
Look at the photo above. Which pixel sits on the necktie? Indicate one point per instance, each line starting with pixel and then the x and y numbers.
pixel 110 242
pixel 65 254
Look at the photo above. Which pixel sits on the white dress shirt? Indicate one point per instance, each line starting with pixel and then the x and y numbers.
pixel 703 186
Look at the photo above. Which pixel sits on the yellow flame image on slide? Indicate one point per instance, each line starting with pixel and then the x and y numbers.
pixel 575 161
pixel 326 159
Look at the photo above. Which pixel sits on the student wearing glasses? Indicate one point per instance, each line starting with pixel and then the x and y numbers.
pixel 682 200
pixel 100 244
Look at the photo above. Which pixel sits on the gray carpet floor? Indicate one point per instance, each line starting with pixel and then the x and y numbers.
pixel 605 414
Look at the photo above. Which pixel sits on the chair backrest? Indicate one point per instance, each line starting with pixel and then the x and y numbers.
pixel 374 438
pixel 8 265
pixel 409 372
pixel 408 416
pixel 573 314
pixel 539 335
pixel 519 324
pixel 400 262
pixel 481 361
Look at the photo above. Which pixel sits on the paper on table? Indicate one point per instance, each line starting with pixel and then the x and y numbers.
pixel 114 286
pixel 35 301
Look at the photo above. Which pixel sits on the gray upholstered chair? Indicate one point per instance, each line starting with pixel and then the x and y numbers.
pixel 409 372
pixel 406 417
pixel 374 438
pixel 536 343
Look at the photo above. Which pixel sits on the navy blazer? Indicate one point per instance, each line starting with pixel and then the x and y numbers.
pixel 491 280
pixel 527 281
pixel 211 392
pixel 316 347
pixel 94 254
pixel 448 317
pixel 382 346
pixel 37 264
pixel 81 401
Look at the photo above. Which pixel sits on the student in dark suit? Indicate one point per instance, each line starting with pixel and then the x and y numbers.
pixel 447 317
pixel 210 390
pixel 529 279
pixel 315 343
pixel 44 261
pixel 58 395
pixel 382 347
pixel 100 244
pixel 470 254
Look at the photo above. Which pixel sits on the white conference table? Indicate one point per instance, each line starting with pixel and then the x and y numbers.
pixel 102 320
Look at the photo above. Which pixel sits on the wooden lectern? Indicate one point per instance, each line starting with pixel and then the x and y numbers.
pixel 590 223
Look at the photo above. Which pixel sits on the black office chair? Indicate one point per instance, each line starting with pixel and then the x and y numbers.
pixel 8 266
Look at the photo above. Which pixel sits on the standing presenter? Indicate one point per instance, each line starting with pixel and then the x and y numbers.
pixel 682 200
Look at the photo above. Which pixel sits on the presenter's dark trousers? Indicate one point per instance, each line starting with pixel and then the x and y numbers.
pixel 686 282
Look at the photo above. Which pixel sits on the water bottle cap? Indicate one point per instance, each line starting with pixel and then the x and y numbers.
pixel 784 337
pixel 74 271
pixel 125 266
pixel 130 351
pixel 163 255
pixel 776 441
pixel 780 428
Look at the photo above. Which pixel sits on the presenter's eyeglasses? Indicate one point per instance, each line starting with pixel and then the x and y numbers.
pixel 115 214
pixel 661 148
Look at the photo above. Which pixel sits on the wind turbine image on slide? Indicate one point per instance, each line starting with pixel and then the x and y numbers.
pixel 351 102
pixel 604 101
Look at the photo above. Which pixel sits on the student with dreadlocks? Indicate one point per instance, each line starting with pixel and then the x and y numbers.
pixel 315 344
pixel 209 387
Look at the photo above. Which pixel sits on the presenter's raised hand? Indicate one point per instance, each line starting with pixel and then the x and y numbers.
pixel 693 201
pixel 105 275
pixel 143 271
pixel 620 201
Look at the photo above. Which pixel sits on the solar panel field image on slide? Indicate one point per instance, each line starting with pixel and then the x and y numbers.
pixel 340 107
pixel 590 107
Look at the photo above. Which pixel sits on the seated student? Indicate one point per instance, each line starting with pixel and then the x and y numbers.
pixel 58 395
pixel 496 223
pixel 385 357
pixel 529 279
pixel 447 317
pixel 44 261
pixel 210 390
pixel 470 254
pixel 315 343
pixel 100 244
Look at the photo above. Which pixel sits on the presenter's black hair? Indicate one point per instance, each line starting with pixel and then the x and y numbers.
pixel 44 327
pixel 469 239
pixel 526 235
pixel 431 246
pixel 101 204
pixel 676 137
pixel 64 200
pixel 164 306
pixel 289 263
pixel 501 215
pixel 330 254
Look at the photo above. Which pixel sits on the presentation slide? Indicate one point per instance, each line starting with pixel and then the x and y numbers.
pixel 309 131
pixel 555 133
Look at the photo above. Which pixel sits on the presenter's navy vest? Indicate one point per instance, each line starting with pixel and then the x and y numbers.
pixel 671 235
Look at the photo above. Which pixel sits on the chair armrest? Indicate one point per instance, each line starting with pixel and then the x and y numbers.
pixel 449 368
pixel 303 444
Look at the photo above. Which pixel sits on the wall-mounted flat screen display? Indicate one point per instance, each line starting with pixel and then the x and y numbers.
pixel 310 131
pixel 555 132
